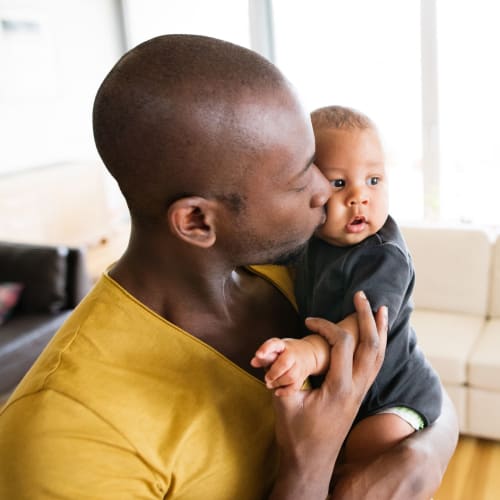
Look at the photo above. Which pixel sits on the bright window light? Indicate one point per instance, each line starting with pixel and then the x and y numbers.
pixel 365 55
pixel 368 55
pixel 469 97
pixel 225 19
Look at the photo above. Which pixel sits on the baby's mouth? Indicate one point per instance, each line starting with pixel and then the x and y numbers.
pixel 356 224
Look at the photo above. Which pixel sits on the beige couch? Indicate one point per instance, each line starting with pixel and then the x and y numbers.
pixel 457 318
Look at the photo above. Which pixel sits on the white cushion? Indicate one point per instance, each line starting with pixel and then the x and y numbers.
pixel 484 363
pixel 495 281
pixel 447 340
pixel 483 413
pixel 452 268
pixel 458 396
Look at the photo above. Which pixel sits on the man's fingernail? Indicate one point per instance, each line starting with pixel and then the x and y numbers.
pixel 362 295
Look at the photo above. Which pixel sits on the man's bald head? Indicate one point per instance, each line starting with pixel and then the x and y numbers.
pixel 172 118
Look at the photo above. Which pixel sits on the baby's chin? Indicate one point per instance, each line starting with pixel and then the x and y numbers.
pixel 344 239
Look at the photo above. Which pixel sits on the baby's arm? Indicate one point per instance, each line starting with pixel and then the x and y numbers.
pixel 291 361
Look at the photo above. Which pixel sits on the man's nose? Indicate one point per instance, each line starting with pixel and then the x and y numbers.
pixel 322 189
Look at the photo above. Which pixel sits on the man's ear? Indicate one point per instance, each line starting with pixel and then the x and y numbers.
pixel 192 219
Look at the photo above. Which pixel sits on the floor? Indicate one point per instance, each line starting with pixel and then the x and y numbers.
pixel 473 473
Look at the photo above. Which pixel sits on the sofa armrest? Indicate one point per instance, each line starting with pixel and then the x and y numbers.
pixel 54 277
pixel 78 280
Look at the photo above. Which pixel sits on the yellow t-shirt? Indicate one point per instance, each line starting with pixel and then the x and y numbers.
pixel 123 404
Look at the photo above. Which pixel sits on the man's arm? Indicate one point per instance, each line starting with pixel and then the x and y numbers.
pixel 312 425
pixel 411 470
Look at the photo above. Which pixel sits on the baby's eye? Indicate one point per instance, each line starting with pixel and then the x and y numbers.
pixel 373 181
pixel 338 183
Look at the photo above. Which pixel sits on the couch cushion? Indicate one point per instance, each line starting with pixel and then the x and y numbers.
pixel 41 269
pixel 452 268
pixel 484 362
pixel 447 341
pixel 483 408
pixel 458 396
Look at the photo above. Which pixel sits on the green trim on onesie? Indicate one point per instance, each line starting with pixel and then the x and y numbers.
pixel 410 416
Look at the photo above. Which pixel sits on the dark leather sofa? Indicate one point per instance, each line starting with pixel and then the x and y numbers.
pixel 54 280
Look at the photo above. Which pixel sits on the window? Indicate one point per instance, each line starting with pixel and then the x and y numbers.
pixel 379 57
pixel 469 110
pixel 365 55
pixel 145 20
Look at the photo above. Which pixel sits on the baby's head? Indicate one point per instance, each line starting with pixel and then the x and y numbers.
pixel 350 155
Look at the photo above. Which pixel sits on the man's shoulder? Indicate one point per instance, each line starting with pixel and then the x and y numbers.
pixel 98 335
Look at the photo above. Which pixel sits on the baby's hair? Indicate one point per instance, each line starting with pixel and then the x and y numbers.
pixel 339 117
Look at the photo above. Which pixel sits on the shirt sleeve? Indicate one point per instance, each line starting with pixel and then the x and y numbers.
pixel 385 273
pixel 63 450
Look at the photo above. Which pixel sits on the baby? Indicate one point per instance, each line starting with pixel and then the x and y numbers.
pixel 358 248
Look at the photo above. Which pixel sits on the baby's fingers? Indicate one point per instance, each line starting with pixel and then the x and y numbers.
pixel 278 370
pixel 259 363
pixel 267 353
pixel 286 390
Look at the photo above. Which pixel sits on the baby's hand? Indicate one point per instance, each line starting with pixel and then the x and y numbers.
pixel 268 352
pixel 291 361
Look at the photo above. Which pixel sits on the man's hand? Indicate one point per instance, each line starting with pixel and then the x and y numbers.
pixel 312 425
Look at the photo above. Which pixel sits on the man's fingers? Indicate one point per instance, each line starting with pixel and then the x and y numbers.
pixel 328 330
pixel 351 363
pixel 382 322
pixel 372 337
pixel 341 355
pixel 289 404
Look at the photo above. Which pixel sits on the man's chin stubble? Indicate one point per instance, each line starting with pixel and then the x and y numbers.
pixel 291 257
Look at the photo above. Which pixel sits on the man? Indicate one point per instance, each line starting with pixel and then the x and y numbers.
pixel 147 390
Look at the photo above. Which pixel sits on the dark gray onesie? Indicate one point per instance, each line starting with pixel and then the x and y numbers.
pixel 327 278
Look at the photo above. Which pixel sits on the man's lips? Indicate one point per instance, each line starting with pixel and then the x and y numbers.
pixel 357 224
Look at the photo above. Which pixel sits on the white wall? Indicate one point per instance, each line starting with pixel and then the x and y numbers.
pixel 53 55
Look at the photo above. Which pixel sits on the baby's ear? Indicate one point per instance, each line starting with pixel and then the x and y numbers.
pixel 192 219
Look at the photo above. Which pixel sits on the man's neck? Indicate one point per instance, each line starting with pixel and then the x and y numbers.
pixel 173 281
pixel 231 309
